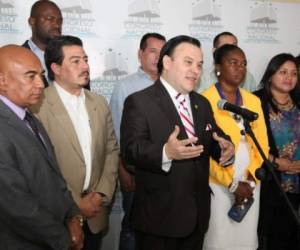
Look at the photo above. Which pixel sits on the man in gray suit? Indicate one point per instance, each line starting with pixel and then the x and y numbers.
pixel 37 211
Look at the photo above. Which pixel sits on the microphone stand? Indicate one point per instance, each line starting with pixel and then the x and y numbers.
pixel 270 168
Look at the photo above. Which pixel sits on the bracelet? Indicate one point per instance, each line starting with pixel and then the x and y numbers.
pixel 233 186
pixel 251 183
pixel 80 219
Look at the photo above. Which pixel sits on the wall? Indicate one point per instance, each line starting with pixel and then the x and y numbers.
pixel 111 31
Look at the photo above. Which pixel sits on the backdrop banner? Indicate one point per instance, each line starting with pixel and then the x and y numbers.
pixel 111 32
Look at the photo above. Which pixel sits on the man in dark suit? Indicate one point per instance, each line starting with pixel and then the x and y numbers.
pixel 172 201
pixel 46 23
pixel 37 211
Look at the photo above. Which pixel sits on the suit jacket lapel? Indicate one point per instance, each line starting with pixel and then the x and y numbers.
pixel 166 103
pixel 63 119
pixel 21 127
pixel 198 116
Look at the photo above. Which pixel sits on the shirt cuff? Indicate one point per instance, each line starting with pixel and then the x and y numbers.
pixel 166 162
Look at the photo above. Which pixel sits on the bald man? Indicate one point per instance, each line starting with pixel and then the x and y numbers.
pixel 37 211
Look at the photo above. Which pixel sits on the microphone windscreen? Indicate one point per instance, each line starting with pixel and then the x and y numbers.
pixel 221 103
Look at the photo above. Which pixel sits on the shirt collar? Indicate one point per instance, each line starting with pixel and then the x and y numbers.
pixel 34 47
pixel 20 112
pixel 143 74
pixel 172 92
pixel 66 97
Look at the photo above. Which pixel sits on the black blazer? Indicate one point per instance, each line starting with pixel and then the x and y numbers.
pixel 35 202
pixel 26 45
pixel 167 204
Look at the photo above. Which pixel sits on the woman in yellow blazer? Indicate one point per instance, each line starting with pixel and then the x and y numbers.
pixel 236 184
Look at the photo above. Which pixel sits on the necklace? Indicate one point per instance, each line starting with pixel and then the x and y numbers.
pixel 288 105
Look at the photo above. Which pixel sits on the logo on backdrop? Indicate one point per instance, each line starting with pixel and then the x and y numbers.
pixel 8 17
pixel 143 17
pixel 263 23
pixel 206 20
pixel 115 69
pixel 78 19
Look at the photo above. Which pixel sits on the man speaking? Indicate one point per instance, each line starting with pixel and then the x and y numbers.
pixel 168 132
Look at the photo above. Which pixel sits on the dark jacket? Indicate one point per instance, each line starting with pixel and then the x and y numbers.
pixel 35 202
pixel 168 204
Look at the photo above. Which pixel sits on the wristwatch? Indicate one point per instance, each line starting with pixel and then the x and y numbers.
pixel 233 186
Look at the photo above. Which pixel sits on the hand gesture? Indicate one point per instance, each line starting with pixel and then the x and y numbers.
pixel 182 149
pixel 227 149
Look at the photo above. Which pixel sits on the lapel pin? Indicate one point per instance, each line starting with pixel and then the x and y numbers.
pixel 196 106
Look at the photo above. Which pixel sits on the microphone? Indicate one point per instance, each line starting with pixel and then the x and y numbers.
pixel 245 113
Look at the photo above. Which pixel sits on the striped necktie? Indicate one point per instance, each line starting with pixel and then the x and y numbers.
pixel 185 115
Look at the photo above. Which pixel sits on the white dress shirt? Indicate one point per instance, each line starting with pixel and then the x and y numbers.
pixel 75 106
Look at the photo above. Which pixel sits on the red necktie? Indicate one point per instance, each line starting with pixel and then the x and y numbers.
pixel 185 116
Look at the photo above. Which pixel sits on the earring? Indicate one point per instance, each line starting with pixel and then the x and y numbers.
pixel 218 73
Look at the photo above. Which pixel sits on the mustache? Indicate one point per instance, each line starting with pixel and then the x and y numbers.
pixel 84 73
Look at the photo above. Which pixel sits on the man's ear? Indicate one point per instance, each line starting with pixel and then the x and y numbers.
pixel 55 68
pixel 3 84
pixel 31 21
pixel 140 54
pixel 1 77
pixel 167 62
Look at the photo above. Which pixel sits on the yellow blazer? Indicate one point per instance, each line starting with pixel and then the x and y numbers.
pixel 52 113
pixel 219 174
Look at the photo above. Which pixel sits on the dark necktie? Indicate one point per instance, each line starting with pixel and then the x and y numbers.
pixel 32 123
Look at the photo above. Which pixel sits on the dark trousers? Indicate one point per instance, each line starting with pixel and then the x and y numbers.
pixel 91 241
pixel 127 235
pixel 283 233
pixel 153 242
